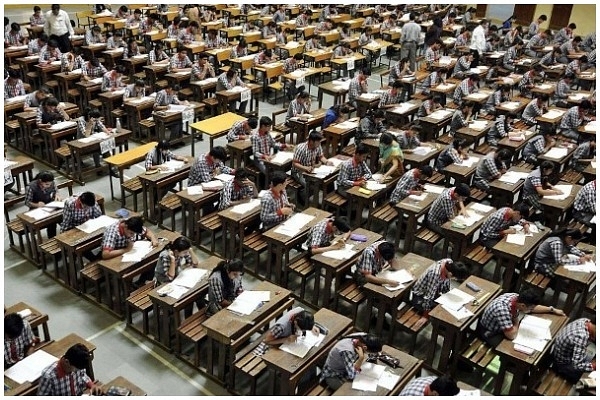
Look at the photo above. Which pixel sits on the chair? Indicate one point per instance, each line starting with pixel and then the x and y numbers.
pixel 336 202
pixel 191 329
pixel 82 18
pixel 571 176
pixel 251 365
pixel 133 186
pixel 320 390
pixel 436 178
pixel 304 268
pixel 63 154
pixel 428 237
pixel 171 203
pixel 381 76
pixel 50 248
pixel 139 301
pixel 406 318
pixel 283 128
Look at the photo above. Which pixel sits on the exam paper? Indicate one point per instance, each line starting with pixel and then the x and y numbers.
pixel 282 157
pixel 481 208
pixel 469 162
pixel 140 249
pixel 195 190
pixel 94 224
pixel 433 188
pixel 224 177
pixel 566 192
pixel 303 344
pixel 459 314
pixel 189 277
pixel 516 238
pixel 534 332
pixel 341 254
pixel 512 177
pixel 454 299
pixel 294 225
pixel 212 185
pixel 420 197
pixel 373 185
pixel 557 152
pixel 177 107
pixel 30 368
pixel 246 207
pixel 422 150
pixel 63 125
pixel 37 213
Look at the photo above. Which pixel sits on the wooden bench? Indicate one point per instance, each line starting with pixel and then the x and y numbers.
pixel 256 244
pixel 94 274
pixel 12 127
pixel 436 178
pixel 477 195
pixel 428 237
pixel 50 248
pixel 212 104
pixel 384 214
pixel 16 227
pixel 251 365
pixel 170 204
pixel 352 294
pixel 63 154
pixel 320 390
pixel 552 384
pixel 335 201
pixel 304 268
pixel 571 176
pixel 209 223
pixel 478 355
pixel 406 318
pixel 483 149
pixel 349 150
pixel 283 128
pixel 478 256
pixel 294 187
pixel 192 329
pixel 139 301
pixel 537 280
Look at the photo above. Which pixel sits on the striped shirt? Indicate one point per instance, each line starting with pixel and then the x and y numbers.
pixel 370 261
pixel 203 169
pixel 572 119
pixel 232 191
pixel 585 201
pixel 155 56
pixel 350 171
pixel 76 213
pixel 13 88
pixel 498 222
pixel 306 156
pixel 177 62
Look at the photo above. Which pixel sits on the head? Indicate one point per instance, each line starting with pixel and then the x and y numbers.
pixel 426 170
pixel 182 54
pixel 55 9
pixel 37 10
pixel 133 226
pixel 76 358
pixel 314 140
pixel 265 124
pixel 387 251
pixel 504 156
pixel 52 45
pixel 123 9
pixel 462 192
pixel 242 44
pixel 542 18
pixel 457 270
pixel 88 199
pixel 120 69
pixel 218 153
pixel 547 167
pixel 572 26
pixel 42 39
pixel 163 146
pixel 370 343
pixel 304 321
pixel 297 58
pixel 378 116
pixel 364 74
pixel 520 211
pixel 396 86
pixel 585 106
pixel 569 236
pixel 13 325
pixel 251 124
pixel 13 74
pixel 181 246
pixel 15 28
pixel 137 13
pixel 528 299
pixel 444 386
pixel 172 90
pixel 241 177
pixel 341 225
pixel 42 93
pixel 303 97
pixel 361 152
pixel 45 179
pixel 278 181
pixel 96 30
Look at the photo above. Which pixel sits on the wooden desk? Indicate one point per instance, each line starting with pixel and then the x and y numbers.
pixel 13 52
pixel 341 64
pixel 33 232
pixel 280 244
pixel 22 172
pixel 155 185
pixel 460 172
pixel 410 367
pixel 337 89
pixel 110 101
pixel 60 347
pixel 560 162
pixel 413 209
pixel 317 183
pixel 400 115
pixel 360 201
pixel 577 282
pixel 228 96
pixel 366 102
pixel 505 194
pixel 216 127
pixel 555 210
pixel 461 238
pixel 474 136
pixel 336 136
pixel 35 319
pixel 87 89
pixel 589 173
pixel 124 160
pixel 65 82
pixel 155 72
pixel 235 225
pixel 515 147
pixel 412 159
pixel 46 71
pixel 387 301
pixel 122 382
pixel 53 136
pixel 227 332
pixel 333 268
pixel 191 209
pixel 453 331
pixel 432 127
pixel 167 117
pixel 291 367
pixel 92 49
pixel 138 109
pixel 302 128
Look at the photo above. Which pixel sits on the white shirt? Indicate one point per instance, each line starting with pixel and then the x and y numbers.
pixel 58 24
pixel 478 39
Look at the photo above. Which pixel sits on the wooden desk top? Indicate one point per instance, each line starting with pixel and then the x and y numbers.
pixel 413 106
pixel 499 185
pixel 156 178
pixel 74 237
pixel 55 215
pixel 21 162
pixel 474 134
pixel 344 61
pixel 119 137
pixel 562 204
pixel 132 156
pixel 570 149
pixel 461 169
pixel 231 216
pixel 319 215
pixel 372 237
pixel 122 382
pixel 411 206
pixel 517 252
pixel 439 122
pixel 410 157
pixel 469 230
pixel 330 87
pixel 199 199
pixel 354 191
pixel 36 317
pixel 59 347
pixel 217 125
pixel 317 115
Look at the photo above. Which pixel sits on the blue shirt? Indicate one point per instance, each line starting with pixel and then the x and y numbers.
pixel 330 117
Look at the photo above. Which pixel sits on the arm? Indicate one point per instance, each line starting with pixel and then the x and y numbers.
pixel 108 253
pixel 152 237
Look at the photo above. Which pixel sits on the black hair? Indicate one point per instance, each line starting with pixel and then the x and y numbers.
pixel 16 27
pixel 315 136
pixel 543 17
pixel 52 43
pixel 13 325
pixel 563 232
pixel 303 95
pixel 135 224
pixel 118 33
pixel 298 56
pixel 462 189
pixel 78 356
pixel 278 178
pixel 444 386
pixel 36 9
pixel 43 37
pixel 504 155
pixel 120 69
pixel 546 165
pixel 88 198
pixel 386 138
pixel 181 244
pixel 458 269
pixel 253 122
pixel 529 297
pixel 265 121
pixel 219 153
pixel 361 149
pixel 96 28
pixel 572 25
pixel 586 105
pixel 342 224
pixel 224 268
pixel 240 174
pixel 387 251
pixel 305 320
pixel 45 176
pixel 373 343
pixel 13 73
pixel 523 209
pixel 457 143
pixel 231 72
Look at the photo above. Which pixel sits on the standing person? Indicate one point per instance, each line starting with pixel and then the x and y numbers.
pixel 19 340
pixel 40 192
pixel 534 27
pixel 58 27
pixel 224 285
pixel 411 33
pixel 569 351
pixel 478 42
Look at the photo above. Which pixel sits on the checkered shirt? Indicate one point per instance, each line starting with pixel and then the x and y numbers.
pixel 562 90
pixel 270 204
pixel 110 80
pixel 395 73
pixel 88 69
pixel 39 20
pixel 573 68
pixel 431 55
pixel 91 38
pixel 364 39
pixel 114 237
pixel 532 110
pixel 582 151
pixel 348 359
pixel 367 128
pixel 350 172
pixel 533 181
pixel 147 25
pixel 571 119
pixel 35 193
pixel 15 39
pixel 225 84
pixel 164 99
pixel 570 345
pixel 417 386
pixel 131 21
pixel 527 80
pixel 31 100
pixel 290 65
pixel 311 45
pixel 341 51
pixel 75 213
pixel 172 31
pixel 15 349
pixel 111 44
pixel 154 57
pixel 553 252
pixel 214 43
pixel 592 57
pixel 307 157
pixel 132 91
pixel 548 59
pixel 13 89
pixel 78 62
pixel 237 129
pixel 408 142
pixel 407 183
pixel 301 21
pixel 443 208
pixel 461 40
pixel 433 79
pixel 370 261
pixel 237 53
pixel 585 201
pixel 203 169
pixel 318 235
pixel 261 58
pixel 498 316
pixel 164 263
pixel 496 223
pixel 388 98
pixel 201 72
pixel 155 157
pixel 462 65
pixel 356 89
pixel 458 121
pixel 126 54
pixel 34 47
pixel 184 36
pixel 464 89
pixel 55 382
pixel 536 41
pixel 487 168
pixel 232 191
pixel 431 284
pixel 262 145
pixel 296 108
pixel 510 56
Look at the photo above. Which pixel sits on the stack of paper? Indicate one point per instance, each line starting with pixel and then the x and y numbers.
pixel 195 190
pixel 401 108
pixel 566 192
pixel 347 125
pixel 534 332
pixel 516 238
pixel 553 114
pixel 224 177
pixel 140 249
pixel 513 177
pixel 282 157
pixel 16 99
pixel 37 213
pixel 324 170
pixel 420 197
pixel 479 96
pixel 93 225
pixel 444 86
pixel 212 185
pixel 30 368
pixel 511 105
pixel 303 344
pixel 337 162
pixel 469 162
pixel 248 301
pixel 368 378
pixel 177 107
pixel 171 166
pixel 433 188
pixel 557 153
pixel 294 225
pixel 481 208
pixel 440 114
pixel 467 221
pixel 588 266
pixel 63 125
pixel 590 126
pixel 455 299
pixel 245 208
pixel 341 254
pixel 478 125
pixel 189 277
pixel 422 150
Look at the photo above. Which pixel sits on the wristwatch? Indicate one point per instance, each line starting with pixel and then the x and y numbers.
pixel 551 309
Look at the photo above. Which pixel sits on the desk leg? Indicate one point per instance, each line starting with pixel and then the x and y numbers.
pixel 449 340
pixel 144 199
pixel 222 349
pixel 435 329
pixel 184 214
pixel 108 277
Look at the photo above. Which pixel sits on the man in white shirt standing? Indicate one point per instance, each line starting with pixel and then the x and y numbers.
pixel 478 42
pixel 58 26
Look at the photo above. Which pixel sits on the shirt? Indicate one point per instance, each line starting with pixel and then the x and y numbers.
pixel 432 283
pixel 164 263
pixel 88 69
pixel 225 84
pixel 35 193
pixel 37 19
pixel 487 169
pixel 76 213
pixel 498 222
pixel 532 110
pixel 114 237
pixel 407 142
pixel 155 56
pixel 156 157
pixel 552 252
pixel 411 32
pixel 533 181
pixel 58 25
pixel 572 119
pixel 204 168
pixel 92 38
pixel 111 43
pixel 498 316
pixel 34 47
pixel 478 39
pixel 370 261
pixel 201 72
pixel 65 63
pixel 306 156
pixel 297 108
pixel 177 62
pixel 408 182
pixel 111 80
pixel 164 99
pixel 585 201
pixel 134 91
pixel 443 208
pixel 13 88
pixel 270 208
pixel 570 345
pixel 368 128
pixel 388 98
pixel 262 144
pixel 320 235
pixel 465 88
pixel 462 65
pixel 355 89
pixel 232 191
pixel 15 349
pixel 237 129
pixel 351 171
pixel 54 381
pixel 418 386
pixel 340 360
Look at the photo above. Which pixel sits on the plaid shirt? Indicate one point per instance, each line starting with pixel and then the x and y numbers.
pixel 465 88
pixel 443 208
pixel 498 316
pixel 408 182
pixel 65 63
pixel 496 223
pixel 368 128
pixel 147 25
pixel 433 79
pixel 350 171
pixel 110 80
pixel 395 73
pixel 132 21
pixel 236 52
pixel 432 283
pixel 533 181
pixel 34 47
pixel 536 41
pixel 458 121
pixel 114 237
pixel 204 168
pixel 88 69
pixel 487 168
pixel 155 157
pixel 341 355
pixel 320 235
pixel 563 89
pixel 573 68
pixel 572 119
pixel 164 263
pixel 312 44
pixel 370 261
pixel 173 31
pixel 290 65
pixel 111 44
pixel 356 89
pixel 232 191
pixel 15 349
pixel 341 51
pixel 225 84
pixel 296 108
pixel 563 35
pixel 418 386
pixel 56 382
pixel 301 21
pixel 570 345
pixel 431 55
pixel 92 38
pixel 461 40
pixel 528 79
pixel 568 47
pixel 388 98
pixel 548 59
pixel 126 54
pixel 200 72
pixel 214 43
pixel 37 20
pixel 35 193
pixel 408 142
pixel 532 110
pixel 154 57
pixel 510 56
pixel 15 39
pixel 552 252
pixel 133 91
pixel 585 201
pixel 262 143
pixel 75 213
pixel 584 151
pixel 462 65
pixel 270 208
pixel 184 36
pixel 307 157
pixel 164 99
pixel 237 129
pixel 14 88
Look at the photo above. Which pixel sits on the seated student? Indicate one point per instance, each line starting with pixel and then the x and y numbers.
pixel 93 35
pixel 447 205
pixel 575 117
pixel 390 157
pixel 491 167
pixel 175 28
pixel 35 99
pixel 214 41
pixel 549 59
pixel 410 183
pixel 50 112
pixel 534 109
pixel 354 172
pixel 584 154
pixel 342 50
pixel 432 80
pixel 37 18
pixel 307 156
pixel 241 130
pixel 334 115
pixel 15 37
pixel 393 96
pixel 40 192
pixel 537 41
pixel 431 386
pixel 224 285
pixel 366 36
pixel 88 124
pixel 67 376
pixel 274 205
pixel 559 249
pixel 500 319
pixel 372 261
pixel 563 91
pixel 290 65
pixel 501 129
pixel 50 52
pixel 569 352
pixel 19 340
pixel 312 43
pixel 463 66
pixel 453 154
pixel 92 69
pixel 227 81
pixel 346 358
pixel 292 325
pixel 432 54
pixel 172 260
pixel 529 79
pixel 429 105
pixel 13 85
pixel 536 185
pixel 498 224
pixel 575 66
pixel 158 54
pixel 399 70
pixel 119 237
pixel 370 126
pixel 584 208
pixel 464 40
pixel 303 19
pixel 538 145
pixel 207 166
pixel 112 80
pixel 358 86
pixel 565 34
pixel 35 46
pixel 78 209
pixel 187 34
pixel 134 19
pixel 466 87
pixel 299 106
pixel 72 60
pixel 238 190
pixel 115 41
pixel 500 95
pixel 180 62
pixel 202 69
pixel 131 50
pixel 135 90
pixel 329 234
pixel 534 27
pixel 263 144
pixel 512 54
pixel 163 99
pixel 268 30
pixel 161 154
pixel 568 48
pixel 434 282
pixel 409 138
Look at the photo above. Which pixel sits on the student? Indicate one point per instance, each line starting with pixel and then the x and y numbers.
pixel 410 183
pixel 241 130
pixel 37 18
pixel 534 109
pixel 366 36
pixel 224 285
pixel 354 172
pixel 135 19
pixel 432 54
pixel 390 157
pixel 536 185
pixel 312 43
pixel 563 91
pixel 72 60
pixel 463 66
pixel 290 65
pixel 93 35
pixel 429 105
pixel 534 27
pixel 263 144
pixel 537 41
pixel 498 224
pixel 78 209
pixel 35 46
pixel 358 86
pixel 131 50
pixel 202 69
pixel 393 96
pixel 500 95
pixel 239 50
pixel 35 99
pixel 119 237
pixel 15 37
pixel 568 48
pixel 491 167
pixel 13 85
pixel 431 386
pixel 321 236
pixel 569 352
pixel 207 166
pixel 40 192
pixel 238 190
pixel 549 59
pixel 135 90
pixel 49 113
pixel 180 62
pixel 160 154
pixel 299 106
pixel 334 115
pixel 565 34
pixel 538 145
pixel 584 208
pixel 346 358
pixel 584 154
pixel 453 154
pixel 67 376
pixel 112 80
pixel 446 206
pixel 372 261
pixel 370 126
pixel 274 205
pixel 292 325
pixel 409 138
pixel 307 156
pixel 50 52
pixel 466 87
pixel 92 69
pixel 158 55
pixel 19 340
pixel 115 41
pixel 559 249
pixel 464 40
pixel 575 117
pixel 163 99
pixel 179 255
pixel 188 34
pixel 227 81
pixel 88 124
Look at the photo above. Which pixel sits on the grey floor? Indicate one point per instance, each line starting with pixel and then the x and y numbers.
pixel 122 351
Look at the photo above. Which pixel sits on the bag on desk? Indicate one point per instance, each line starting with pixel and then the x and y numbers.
pixel 118 391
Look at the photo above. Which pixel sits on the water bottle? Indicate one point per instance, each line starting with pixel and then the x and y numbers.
pixel 118 125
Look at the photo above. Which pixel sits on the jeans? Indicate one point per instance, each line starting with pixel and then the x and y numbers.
pixel 409 49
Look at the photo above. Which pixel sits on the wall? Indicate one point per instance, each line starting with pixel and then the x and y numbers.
pixel 584 16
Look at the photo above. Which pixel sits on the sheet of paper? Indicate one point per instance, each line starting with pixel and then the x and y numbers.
pixel 294 225
pixel 8 164
pixel 324 170
pixel 433 188
pixel 422 150
pixel 401 275
pixel 303 344
pixel 468 221
pixel 421 197
pixel 566 192
pixel 469 162
pixel 140 249
pixel 245 208
pixel 30 368
pixel 440 114
pixel 189 277
pixel 96 80
pixel 513 177
pixel 37 213
pixel 347 125
pixel 478 125
pixel 459 314
pixel 534 332
pixel 557 153
pixel 454 299
pixel 247 302
pixel 336 161
pixel 474 392
pixel 516 238
pixel 177 107
pixel 341 254
pixel 482 208
pixel 93 225
pixel 224 177
pixel 373 185
pixel 388 380
pixel 16 99
pixel 282 157
pixel 552 114
pixel 177 291
pixel 63 125
pixel 212 185
pixel 56 204
pixel 368 378
pixel 590 126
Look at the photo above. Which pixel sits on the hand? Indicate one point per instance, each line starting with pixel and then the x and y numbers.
pixel 287 210
pixel 171 255
pixel 330 163
pixel 422 321
pixel 96 390
pixel 557 191
pixel 291 339
pixel 40 204
pixel 464 213
pixel 338 245
pixel 392 283
pixel 129 245
pixel 558 311
pixel 526 229
pixel 417 192
pixel 361 353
